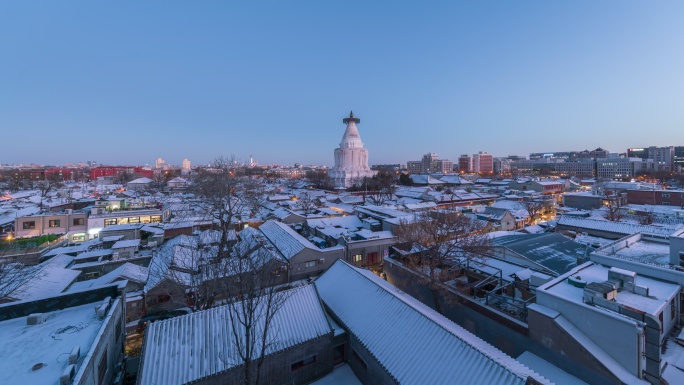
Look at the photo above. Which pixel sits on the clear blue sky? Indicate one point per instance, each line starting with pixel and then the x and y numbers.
pixel 129 81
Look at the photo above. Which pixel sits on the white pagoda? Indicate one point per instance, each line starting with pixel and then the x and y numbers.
pixel 351 159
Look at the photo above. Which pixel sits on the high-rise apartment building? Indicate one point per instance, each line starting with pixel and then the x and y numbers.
pixel 465 163
pixel 483 163
pixel 429 163
pixel 185 167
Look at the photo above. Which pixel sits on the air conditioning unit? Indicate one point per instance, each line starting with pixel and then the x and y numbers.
pixel 35 319
pixel 74 355
pixel 115 256
pixel 101 312
pixel 284 267
pixel 68 211
pixel 321 260
pixel 67 375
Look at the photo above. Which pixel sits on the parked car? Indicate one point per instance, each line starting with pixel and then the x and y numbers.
pixel 162 315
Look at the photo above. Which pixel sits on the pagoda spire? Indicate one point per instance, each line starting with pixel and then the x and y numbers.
pixel 351 118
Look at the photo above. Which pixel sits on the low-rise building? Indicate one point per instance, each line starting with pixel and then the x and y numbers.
pixel 299 350
pixel 52 223
pixel 103 219
pixel 423 348
pixel 613 320
pixel 75 338
pixel 656 197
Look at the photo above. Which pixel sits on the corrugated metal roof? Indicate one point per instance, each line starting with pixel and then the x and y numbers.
pixel 286 240
pixel 415 344
pixel 614 227
pixel 190 347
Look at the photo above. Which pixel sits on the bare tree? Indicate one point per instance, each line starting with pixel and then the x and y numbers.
pixel 250 280
pixel 439 239
pixel 319 179
pixel 307 202
pixel 46 186
pixel 381 188
pixel 223 198
pixel 253 192
pixel 533 208
pixel 646 217
pixel 256 301
pixel 13 276
pixel 613 206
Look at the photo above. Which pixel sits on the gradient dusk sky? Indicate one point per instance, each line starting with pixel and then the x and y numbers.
pixel 125 82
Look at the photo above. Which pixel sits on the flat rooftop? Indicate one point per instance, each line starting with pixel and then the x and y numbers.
pixel 23 346
pixel 638 249
pixel 659 292
pixel 643 251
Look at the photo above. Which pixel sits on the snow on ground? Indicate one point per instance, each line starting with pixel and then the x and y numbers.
pixel 549 370
pixel 339 376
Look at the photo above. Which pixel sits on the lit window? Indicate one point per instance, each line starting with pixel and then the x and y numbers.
pixel 29 225
pixel 53 223
pixel 310 264
pixel 357 258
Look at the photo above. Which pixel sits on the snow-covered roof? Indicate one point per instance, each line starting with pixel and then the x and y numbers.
pixel 659 292
pixel 23 346
pixel 127 243
pixel 425 347
pixel 351 222
pixel 161 262
pixel 156 230
pixel 142 180
pixel 92 254
pixel 127 271
pixel 112 238
pixel 286 240
pixel 9 217
pixel 46 279
pixel 425 179
pixel 613 227
pixel 205 346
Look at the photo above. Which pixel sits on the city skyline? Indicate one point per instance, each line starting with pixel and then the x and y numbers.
pixel 118 85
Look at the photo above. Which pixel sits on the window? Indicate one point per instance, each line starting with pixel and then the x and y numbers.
pixel 360 360
pixel 357 258
pixel 305 362
pixel 102 369
pixel 79 221
pixel 665 203
pixel 78 238
pixel 110 222
pixel 53 223
pixel 162 298
pixel 665 195
pixel 308 264
pixel 29 225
